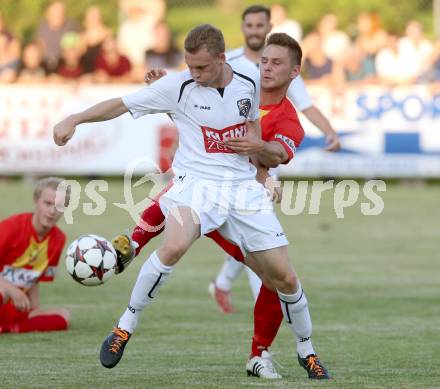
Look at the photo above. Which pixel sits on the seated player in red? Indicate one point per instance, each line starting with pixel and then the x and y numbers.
pixel 281 135
pixel 30 249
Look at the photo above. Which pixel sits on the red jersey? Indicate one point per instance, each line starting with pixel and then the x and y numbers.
pixel 280 123
pixel 24 259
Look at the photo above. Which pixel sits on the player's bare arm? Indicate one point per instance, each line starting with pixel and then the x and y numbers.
pixel 319 120
pixel 263 177
pixel 249 144
pixel 18 297
pixel 272 154
pixel 268 154
pixel 106 110
pixel 34 296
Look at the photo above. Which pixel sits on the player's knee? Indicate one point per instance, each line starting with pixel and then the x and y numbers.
pixel 286 283
pixel 171 253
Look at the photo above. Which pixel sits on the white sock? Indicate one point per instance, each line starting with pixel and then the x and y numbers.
pixel 151 276
pixel 296 313
pixel 254 282
pixel 229 272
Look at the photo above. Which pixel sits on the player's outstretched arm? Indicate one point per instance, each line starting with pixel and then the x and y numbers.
pixel 319 120
pixel 106 110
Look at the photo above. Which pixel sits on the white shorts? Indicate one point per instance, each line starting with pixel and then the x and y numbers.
pixel 243 213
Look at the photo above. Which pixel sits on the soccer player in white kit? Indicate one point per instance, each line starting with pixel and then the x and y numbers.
pixel 255 27
pixel 214 187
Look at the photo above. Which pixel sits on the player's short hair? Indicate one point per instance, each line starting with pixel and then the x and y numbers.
pixel 256 9
pixel 54 183
pixel 284 40
pixel 205 36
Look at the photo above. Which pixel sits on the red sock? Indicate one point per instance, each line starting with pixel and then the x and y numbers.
pixel 149 226
pixel 267 319
pixel 41 323
pixel 1 299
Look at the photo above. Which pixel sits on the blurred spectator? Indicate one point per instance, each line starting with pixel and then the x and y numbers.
pixel 136 31
pixel 110 64
pixel 281 23
pixel 433 72
pixel 70 66
pixel 334 42
pixel 165 54
pixel 50 31
pixel 9 54
pixel 32 68
pixel 391 66
pixel 316 64
pixel 356 67
pixel 371 37
pixel 415 49
pixel 94 33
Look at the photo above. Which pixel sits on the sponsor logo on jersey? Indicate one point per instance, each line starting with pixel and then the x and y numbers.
pixel 21 277
pixel 205 107
pixel 215 139
pixel 244 106
pixel 289 142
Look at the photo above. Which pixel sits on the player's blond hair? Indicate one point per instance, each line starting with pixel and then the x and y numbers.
pixel 51 182
pixel 284 40
pixel 205 36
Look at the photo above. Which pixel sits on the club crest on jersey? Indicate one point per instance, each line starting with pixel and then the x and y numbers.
pixel 215 139
pixel 244 106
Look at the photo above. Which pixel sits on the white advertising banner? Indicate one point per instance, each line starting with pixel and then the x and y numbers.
pixel 385 132
pixel 27 116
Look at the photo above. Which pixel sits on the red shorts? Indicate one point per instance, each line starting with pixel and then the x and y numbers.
pixel 10 315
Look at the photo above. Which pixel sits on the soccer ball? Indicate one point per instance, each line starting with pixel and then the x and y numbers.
pixel 91 260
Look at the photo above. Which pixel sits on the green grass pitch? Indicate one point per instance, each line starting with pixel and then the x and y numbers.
pixel 373 285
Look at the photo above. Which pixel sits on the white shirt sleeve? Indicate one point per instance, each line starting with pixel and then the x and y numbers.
pixel 160 97
pixel 255 108
pixel 298 94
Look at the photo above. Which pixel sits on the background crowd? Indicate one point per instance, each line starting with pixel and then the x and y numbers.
pixel 88 50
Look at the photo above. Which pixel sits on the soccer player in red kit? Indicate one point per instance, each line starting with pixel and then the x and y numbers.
pixel 281 134
pixel 30 249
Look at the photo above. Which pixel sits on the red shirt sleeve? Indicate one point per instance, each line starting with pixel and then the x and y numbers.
pixel 289 133
pixel 8 234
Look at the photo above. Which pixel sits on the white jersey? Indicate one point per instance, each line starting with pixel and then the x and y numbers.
pixel 204 117
pixel 297 91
